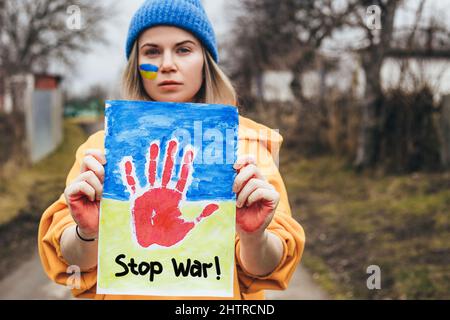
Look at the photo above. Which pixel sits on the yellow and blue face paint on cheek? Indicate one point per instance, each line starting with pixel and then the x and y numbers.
pixel 148 71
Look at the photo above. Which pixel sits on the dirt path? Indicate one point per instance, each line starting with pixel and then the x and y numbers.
pixel 301 287
pixel 30 282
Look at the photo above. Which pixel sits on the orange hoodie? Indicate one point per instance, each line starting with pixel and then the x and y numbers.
pixel 252 137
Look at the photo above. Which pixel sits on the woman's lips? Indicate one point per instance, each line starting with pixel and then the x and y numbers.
pixel 167 82
pixel 171 86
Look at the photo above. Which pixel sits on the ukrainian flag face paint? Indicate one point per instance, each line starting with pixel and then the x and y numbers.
pixel 148 71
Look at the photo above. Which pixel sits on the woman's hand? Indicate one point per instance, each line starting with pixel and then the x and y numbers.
pixel 256 200
pixel 84 193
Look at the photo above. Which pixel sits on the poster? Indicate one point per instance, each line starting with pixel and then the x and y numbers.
pixel 167 216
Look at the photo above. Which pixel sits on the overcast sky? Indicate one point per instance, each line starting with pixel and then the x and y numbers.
pixel 104 64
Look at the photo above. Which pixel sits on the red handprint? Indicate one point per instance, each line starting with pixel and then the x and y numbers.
pixel 157 218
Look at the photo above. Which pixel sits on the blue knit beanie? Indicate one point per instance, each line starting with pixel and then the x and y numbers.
pixel 185 14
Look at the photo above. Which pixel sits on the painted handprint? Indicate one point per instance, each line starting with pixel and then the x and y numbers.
pixel 156 215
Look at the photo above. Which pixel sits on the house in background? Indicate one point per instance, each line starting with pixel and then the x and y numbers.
pixel 348 75
pixel 39 98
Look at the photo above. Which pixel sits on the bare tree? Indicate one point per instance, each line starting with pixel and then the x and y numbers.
pixel 389 41
pixel 284 33
pixel 372 56
pixel 35 32
pixel 293 32
pixel 303 26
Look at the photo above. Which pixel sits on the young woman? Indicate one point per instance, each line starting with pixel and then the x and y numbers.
pixel 177 37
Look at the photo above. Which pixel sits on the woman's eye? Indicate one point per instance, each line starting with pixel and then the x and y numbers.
pixel 184 50
pixel 151 52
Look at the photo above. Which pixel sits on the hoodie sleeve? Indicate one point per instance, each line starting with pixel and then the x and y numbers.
pixel 283 225
pixel 54 221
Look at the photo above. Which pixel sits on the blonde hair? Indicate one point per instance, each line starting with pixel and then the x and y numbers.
pixel 216 88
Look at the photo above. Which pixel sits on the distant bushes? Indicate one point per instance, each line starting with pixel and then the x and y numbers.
pixel 6 138
pixel 408 132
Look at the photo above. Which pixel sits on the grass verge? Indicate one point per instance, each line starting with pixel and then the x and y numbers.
pixel 399 223
pixel 28 192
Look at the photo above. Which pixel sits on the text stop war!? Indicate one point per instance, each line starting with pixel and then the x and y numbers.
pixel 181 269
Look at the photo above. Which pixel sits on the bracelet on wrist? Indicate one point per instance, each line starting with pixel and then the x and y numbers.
pixel 79 236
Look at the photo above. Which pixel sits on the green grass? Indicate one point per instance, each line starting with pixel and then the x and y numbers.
pixel 400 223
pixel 35 188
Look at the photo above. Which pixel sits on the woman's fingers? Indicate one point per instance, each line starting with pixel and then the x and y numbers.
pixel 91 178
pixel 97 154
pixel 248 189
pixel 92 175
pixel 244 175
pixel 243 161
pixel 90 163
pixel 80 187
pixel 263 194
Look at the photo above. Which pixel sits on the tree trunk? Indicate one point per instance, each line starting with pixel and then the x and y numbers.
pixel 372 61
pixel 370 135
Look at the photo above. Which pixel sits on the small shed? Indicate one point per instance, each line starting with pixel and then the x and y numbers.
pixel 39 97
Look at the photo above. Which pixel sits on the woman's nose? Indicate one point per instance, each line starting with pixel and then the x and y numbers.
pixel 168 63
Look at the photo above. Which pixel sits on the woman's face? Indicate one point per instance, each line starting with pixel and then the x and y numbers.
pixel 179 57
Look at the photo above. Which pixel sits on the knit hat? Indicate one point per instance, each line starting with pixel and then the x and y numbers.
pixel 185 14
